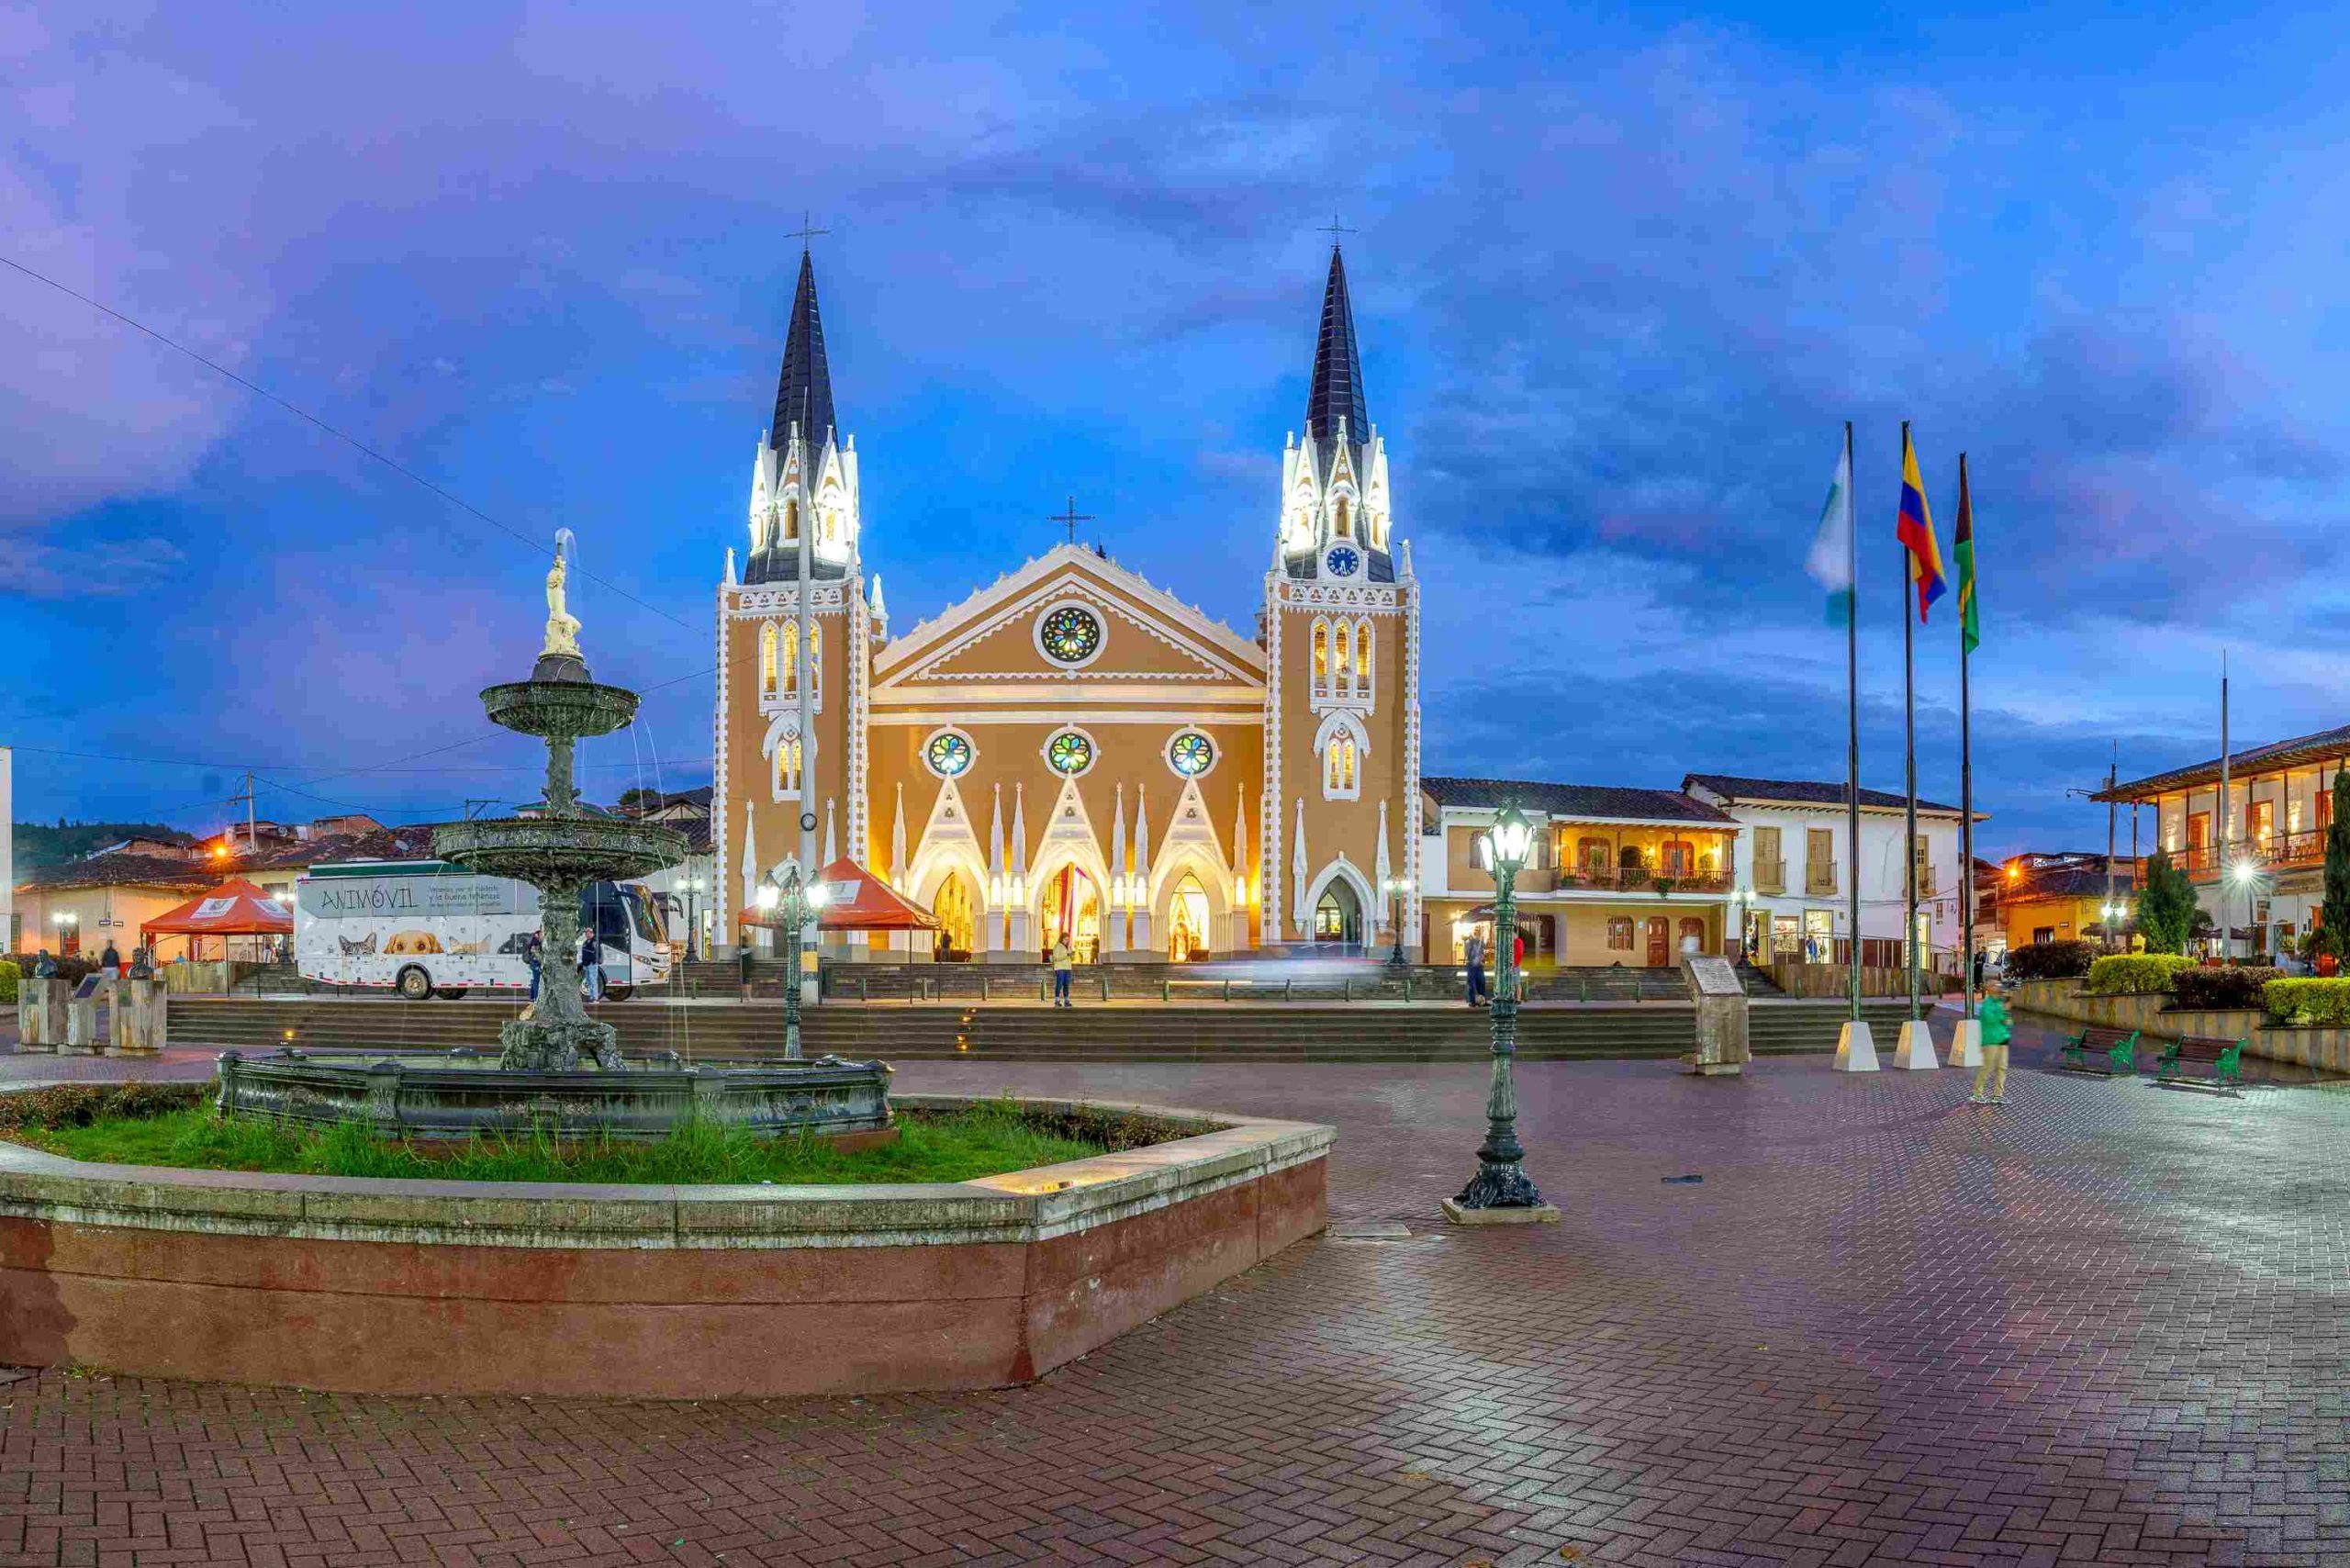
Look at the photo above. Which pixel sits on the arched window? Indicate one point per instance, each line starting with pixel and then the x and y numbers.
pixel 1321 656
pixel 787 767
pixel 790 657
pixel 791 522
pixel 1338 767
pixel 1345 662
pixel 1341 523
pixel 1363 658
pixel 831 525
pixel 767 659
pixel 815 662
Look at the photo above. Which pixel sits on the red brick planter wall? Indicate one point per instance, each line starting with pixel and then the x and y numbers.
pixel 380 1287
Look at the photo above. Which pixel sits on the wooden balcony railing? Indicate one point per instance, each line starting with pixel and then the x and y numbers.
pixel 2273 852
pixel 1770 875
pixel 1642 881
pixel 1819 876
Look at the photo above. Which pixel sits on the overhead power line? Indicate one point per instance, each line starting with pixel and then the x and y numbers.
pixel 343 436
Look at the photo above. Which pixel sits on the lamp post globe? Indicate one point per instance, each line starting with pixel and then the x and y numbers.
pixel 1501 1182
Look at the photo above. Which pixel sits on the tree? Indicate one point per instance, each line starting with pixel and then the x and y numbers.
pixel 2166 906
pixel 639 799
pixel 2334 914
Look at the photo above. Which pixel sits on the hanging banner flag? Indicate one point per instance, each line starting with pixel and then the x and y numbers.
pixel 1830 560
pixel 1916 531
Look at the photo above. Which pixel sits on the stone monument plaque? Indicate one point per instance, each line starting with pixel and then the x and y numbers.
pixel 1720 1002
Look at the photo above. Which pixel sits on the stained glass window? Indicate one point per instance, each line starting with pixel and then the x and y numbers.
pixel 1071 634
pixel 949 755
pixel 1069 752
pixel 1190 753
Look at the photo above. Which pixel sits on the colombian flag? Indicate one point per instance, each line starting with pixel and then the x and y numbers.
pixel 1916 530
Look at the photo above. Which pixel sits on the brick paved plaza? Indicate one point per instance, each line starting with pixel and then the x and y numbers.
pixel 2103 1325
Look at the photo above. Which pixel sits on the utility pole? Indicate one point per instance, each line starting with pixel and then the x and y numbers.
pixel 251 825
pixel 2112 776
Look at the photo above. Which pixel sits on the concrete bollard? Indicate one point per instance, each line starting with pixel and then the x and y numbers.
pixel 1966 1043
pixel 1916 1051
pixel 1856 1048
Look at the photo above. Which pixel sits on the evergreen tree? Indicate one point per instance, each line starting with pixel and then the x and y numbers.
pixel 2166 906
pixel 2334 915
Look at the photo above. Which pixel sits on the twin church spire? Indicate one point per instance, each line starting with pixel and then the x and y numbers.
pixel 1334 398
pixel 803 393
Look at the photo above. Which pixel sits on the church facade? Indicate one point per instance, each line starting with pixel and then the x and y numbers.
pixel 1071 751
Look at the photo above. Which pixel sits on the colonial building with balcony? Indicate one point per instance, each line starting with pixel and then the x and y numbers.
pixel 1794 886
pixel 2263 848
pixel 1618 876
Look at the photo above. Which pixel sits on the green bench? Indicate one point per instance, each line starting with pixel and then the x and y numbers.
pixel 2221 1059
pixel 2103 1051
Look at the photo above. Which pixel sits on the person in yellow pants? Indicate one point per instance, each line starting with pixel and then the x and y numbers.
pixel 1993 1073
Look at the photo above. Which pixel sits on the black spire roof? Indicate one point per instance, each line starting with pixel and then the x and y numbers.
pixel 1337 391
pixel 804 392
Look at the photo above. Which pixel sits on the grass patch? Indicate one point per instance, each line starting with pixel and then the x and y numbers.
pixel 984 1139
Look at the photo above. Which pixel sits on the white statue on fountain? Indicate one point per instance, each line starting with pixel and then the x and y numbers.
pixel 563 627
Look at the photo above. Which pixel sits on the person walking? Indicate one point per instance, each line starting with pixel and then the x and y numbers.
pixel 110 961
pixel 1993 1012
pixel 591 965
pixel 1474 952
pixel 1062 961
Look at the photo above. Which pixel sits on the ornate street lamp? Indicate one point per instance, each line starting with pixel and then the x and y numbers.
pixel 692 886
pixel 1501 1192
pixel 1396 888
pixel 795 904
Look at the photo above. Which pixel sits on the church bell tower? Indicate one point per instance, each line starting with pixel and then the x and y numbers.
pixel 795 630
pixel 1340 815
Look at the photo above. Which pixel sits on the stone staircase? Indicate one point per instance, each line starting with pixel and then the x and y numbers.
pixel 907 1030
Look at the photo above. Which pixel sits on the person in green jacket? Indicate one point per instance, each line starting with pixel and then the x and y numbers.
pixel 1993 1015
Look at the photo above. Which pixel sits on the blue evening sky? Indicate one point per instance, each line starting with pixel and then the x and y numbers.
pixel 1620 274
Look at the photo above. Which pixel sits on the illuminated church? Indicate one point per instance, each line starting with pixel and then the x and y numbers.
pixel 1070 750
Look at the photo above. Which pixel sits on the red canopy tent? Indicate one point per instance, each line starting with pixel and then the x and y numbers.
pixel 855 900
pixel 235 908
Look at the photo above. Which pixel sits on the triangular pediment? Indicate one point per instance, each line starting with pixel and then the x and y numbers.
pixel 1144 633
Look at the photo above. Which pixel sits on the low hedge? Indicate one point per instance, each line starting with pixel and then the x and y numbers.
pixel 79 1105
pixel 2119 974
pixel 2050 960
pixel 2303 1001
pixel 8 977
pixel 2234 986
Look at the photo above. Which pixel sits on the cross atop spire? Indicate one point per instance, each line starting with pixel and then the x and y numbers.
pixel 803 393
pixel 1337 391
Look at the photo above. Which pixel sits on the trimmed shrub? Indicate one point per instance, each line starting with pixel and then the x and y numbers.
pixel 2236 986
pixel 2298 1001
pixel 2050 960
pixel 2119 974
pixel 9 974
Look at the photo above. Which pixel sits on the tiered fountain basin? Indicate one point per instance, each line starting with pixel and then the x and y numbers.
pixel 463 1096
pixel 456 1287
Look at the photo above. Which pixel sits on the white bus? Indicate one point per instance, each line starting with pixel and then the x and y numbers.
pixel 426 928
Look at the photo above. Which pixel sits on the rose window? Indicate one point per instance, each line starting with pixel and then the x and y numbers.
pixel 1071 634
pixel 948 754
pixel 1190 753
pixel 1069 752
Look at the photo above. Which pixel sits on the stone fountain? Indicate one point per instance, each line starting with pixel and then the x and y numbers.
pixel 564 849
pixel 558 1070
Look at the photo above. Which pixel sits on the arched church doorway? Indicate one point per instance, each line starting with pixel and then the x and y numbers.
pixel 1339 918
pixel 1187 921
pixel 958 908
pixel 1072 909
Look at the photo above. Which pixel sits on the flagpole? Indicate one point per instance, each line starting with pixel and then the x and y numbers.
pixel 1853 725
pixel 1909 747
pixel 1966 768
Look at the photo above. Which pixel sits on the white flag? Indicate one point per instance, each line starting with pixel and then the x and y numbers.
pixel 1831 561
